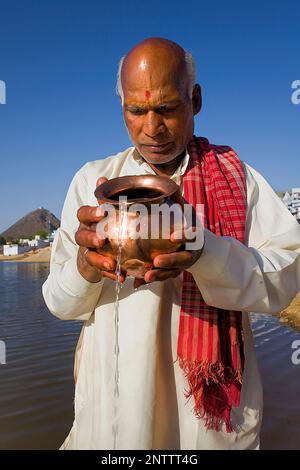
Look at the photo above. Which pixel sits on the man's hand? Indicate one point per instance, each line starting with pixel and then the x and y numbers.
pixel 172 264
pixel 91 265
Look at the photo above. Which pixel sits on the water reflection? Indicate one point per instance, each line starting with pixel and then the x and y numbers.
pixel 36 394
pixel 281 381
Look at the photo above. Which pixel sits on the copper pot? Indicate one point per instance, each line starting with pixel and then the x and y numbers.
pixel 137 253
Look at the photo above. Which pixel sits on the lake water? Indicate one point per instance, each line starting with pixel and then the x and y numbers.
pixel 36 392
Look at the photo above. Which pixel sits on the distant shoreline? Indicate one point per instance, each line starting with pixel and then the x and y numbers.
pixel 42 255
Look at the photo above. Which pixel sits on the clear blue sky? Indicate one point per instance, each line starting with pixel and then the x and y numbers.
pixel 59 61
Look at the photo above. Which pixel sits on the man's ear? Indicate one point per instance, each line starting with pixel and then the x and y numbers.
pixel 197 99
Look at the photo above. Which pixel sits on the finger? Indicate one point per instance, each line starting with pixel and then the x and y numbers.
pixel 113 276
pixel 180 260
pixel 193 239
pixel 138 283
pixel 184 234
pixel 90 214
pixel 104 263
pixel 161 274
pixel 101 180
pixel 89 239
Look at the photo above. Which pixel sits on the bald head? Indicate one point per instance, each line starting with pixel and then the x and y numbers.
pixel 157 54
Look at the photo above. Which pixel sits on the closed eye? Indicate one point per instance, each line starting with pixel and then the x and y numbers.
pixel 165 109
pixel 137 111
pixel 162 109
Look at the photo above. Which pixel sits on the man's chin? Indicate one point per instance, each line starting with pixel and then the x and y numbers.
pixel 158 157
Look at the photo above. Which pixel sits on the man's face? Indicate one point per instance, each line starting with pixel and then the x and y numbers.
pixel 158 113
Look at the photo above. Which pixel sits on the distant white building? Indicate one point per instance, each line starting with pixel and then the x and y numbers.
pixel 33 243
pixel 287 199
pixel 52 236
pixel 23 241
pixel 10 250
pixel 292 202
pixel 36 243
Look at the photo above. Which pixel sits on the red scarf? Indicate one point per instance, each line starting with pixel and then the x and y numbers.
pixel 210 341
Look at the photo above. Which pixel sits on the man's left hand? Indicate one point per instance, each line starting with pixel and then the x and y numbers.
pixel 172 264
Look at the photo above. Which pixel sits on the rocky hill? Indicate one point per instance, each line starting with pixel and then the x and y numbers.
pixel 31 223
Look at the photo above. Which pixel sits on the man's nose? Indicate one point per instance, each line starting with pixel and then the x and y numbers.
pixel 153 124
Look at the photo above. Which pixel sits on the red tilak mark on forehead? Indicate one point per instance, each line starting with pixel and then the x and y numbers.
pixel 148 93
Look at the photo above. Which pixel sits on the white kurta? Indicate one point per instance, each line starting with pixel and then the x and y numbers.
pixel 263 276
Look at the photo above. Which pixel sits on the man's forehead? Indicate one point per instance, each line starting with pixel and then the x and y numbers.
pixel 153 82
pixel 143 96
pixel 164 90
pixel 154 78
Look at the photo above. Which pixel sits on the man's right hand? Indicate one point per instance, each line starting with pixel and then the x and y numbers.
pixel 91 265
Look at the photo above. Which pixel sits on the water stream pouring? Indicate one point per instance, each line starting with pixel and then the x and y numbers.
pixel 121 237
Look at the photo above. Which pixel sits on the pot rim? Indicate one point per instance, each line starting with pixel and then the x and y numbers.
pixel 163 184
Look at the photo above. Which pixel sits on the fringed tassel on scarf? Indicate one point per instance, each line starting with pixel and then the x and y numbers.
pixel 213 398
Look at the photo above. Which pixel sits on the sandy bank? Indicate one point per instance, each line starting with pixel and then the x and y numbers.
pixel 292 313
pixel 40 256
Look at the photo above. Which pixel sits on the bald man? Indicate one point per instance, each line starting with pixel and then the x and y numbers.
pixel 184 329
